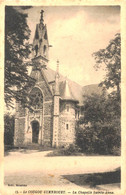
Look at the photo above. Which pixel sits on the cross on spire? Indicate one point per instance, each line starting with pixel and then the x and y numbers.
pixel 41 18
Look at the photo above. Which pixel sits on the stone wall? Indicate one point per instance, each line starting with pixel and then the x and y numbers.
pixel 66 132
pixel 47 112
pixel 47 134
pixel 19 131
pixel 46 122
pixel 23 128
pixel 67 123
pixel 19 125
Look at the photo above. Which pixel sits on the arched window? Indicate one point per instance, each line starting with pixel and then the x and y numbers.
pixel 36 50
pixel 36 98
pixel 45 35
pixel 36 34
pixel 44 49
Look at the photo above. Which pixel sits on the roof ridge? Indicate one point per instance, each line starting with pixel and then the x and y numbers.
pixel 64 77
pixel 91 84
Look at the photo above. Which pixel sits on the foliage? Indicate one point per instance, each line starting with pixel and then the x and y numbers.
pixel 17 50
pixel 69 150
pixel 99 130
pixel 8 129
pixel 110 58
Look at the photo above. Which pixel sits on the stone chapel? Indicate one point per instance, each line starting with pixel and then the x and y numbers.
pixel 57 101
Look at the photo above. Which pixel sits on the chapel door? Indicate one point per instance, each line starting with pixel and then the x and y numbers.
pixel 35 131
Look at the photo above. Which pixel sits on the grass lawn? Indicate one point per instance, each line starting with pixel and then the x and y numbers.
pixel 94 179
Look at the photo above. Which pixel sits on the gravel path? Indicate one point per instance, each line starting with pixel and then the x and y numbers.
pixel 34 168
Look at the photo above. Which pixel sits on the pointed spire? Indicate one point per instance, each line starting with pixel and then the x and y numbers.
pixel 67 90
pixel 57 79
pixel 57 69
pixel 67 93
pixel 41 18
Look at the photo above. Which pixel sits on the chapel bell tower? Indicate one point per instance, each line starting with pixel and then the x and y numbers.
pixel 40 42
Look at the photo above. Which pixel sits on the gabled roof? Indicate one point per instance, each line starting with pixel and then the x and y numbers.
pixel 70 90
pixel 50 75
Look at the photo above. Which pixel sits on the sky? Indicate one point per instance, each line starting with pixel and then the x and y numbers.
pixel 76 32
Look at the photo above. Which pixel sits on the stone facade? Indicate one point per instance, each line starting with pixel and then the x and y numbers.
pixel 67 123
pixel 52 121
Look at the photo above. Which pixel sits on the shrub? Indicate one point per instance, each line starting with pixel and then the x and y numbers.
pixel 99 130
pixel 71 149
pixel 68 150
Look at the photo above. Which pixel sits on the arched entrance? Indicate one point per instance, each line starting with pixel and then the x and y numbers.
pixel 35 131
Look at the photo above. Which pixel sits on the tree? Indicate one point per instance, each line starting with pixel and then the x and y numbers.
pixel 110 58
pixel 99 130
pixel 17 50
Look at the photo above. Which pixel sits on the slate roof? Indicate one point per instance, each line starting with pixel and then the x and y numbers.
pixel 70 90
pixel 67 92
